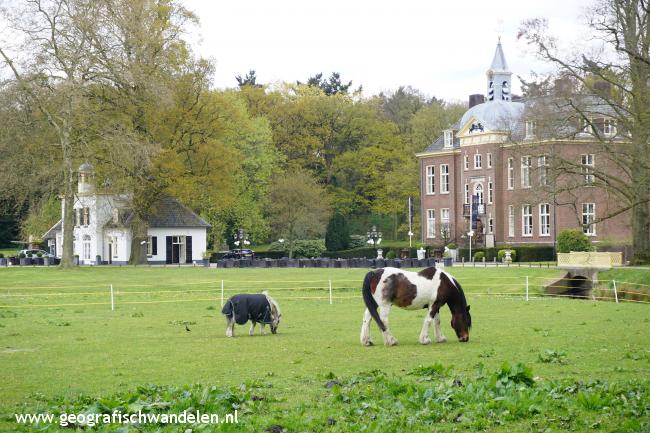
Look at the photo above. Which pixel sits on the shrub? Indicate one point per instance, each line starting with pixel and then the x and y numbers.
pixel 39 254
pixel 452 246
pixel 479 256
pixel 357 241
pixel 22 255
pixel 337 236
pixel 391 254
pixel 535 253
pixel 309 248
pixel 573 240
pixel 2 256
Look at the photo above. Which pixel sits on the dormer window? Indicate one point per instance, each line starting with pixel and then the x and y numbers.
pixel 449 138
pixel 586 127
pixel 609 127
pixel 531 128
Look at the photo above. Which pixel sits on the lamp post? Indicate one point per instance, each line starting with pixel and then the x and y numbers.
pixel 470 234
pixel 241 239
pixel 374 238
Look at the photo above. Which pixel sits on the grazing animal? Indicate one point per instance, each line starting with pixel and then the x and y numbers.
pixel 429 288
pixel 254 307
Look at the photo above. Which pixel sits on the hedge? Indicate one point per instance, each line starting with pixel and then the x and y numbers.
pixel 368 253
pixel 525 253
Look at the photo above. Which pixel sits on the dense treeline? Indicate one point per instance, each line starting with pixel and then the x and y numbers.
pixel 144 114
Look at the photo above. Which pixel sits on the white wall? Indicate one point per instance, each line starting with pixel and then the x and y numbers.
pixel 199 241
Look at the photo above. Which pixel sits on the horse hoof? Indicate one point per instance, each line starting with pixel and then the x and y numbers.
pixel 425 341
pixel 391 342
pixel 441 340
pixel 368 343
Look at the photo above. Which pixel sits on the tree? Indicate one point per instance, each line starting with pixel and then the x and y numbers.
pixel 331 86
pixel 337 236
pixel 613 84
pixel 249 80
pixel 298 208
pixel 52 40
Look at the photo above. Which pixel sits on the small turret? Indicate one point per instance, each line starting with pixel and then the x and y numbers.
pixel 499 77
pixel 84 185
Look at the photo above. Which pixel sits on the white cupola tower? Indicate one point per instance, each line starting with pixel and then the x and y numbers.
pixel 84 185
pixel 499 77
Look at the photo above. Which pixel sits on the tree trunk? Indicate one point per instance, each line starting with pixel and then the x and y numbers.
pixel 67 255
pixel 138 241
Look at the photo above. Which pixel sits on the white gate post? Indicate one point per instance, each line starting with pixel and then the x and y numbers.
pixel 615 292
pixel 526 288
pixel 330 281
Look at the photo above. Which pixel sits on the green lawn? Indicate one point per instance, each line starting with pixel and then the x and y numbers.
pixel 78 346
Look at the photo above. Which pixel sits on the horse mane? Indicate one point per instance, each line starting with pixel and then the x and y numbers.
pixel 272 301
pixel 456 296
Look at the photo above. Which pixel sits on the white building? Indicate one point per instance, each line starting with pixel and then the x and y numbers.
pixel 102 230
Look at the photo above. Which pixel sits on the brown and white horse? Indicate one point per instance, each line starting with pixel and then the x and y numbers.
pixel 429 288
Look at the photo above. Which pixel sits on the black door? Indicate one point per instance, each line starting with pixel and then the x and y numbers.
pixel 168 255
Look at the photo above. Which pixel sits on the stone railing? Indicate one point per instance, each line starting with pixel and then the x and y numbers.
pixel 590 259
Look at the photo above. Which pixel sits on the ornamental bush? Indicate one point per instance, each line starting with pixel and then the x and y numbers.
pixel 337 236
pixel 573 240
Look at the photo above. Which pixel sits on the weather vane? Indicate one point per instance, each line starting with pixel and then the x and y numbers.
pixel 499 28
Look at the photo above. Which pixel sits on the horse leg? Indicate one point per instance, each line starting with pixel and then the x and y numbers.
pixel 384 311
pixel 424 334
pixel 440 338
pixel 230 327
pixel 262 325
pixel 365 329
pixel 251 331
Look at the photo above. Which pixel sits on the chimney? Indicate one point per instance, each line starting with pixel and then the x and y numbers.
pixel 476 99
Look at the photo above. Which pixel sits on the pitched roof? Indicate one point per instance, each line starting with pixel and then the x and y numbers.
pixel 168 212
pixel 51 233
pixel 499 60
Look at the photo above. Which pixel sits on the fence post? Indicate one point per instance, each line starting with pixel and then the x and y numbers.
pixel 615 292
pixel 330 281
pixel 112 299
pixel 526 288
pixel 222 293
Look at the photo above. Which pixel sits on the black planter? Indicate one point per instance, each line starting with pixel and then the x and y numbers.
pixel 3 261
pixel 38 261
pixel 448 261
pixel 47 261
pixel 13 261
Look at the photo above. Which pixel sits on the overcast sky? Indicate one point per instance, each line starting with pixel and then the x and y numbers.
pixel 442 48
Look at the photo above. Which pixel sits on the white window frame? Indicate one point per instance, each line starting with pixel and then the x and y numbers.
pixel 609 127
pixel 85 244
pixel 531 129
pixel 588 216
pixel 478 191
pixel 542 166
pixel 430 179
pixel 490 224
pixel 587 162
pixel 525 171
pixel 445 218
pixel 544 219
pixel 466 162
pixel 511 173
pixel 478 161
pixel 511 221
pixel 448 138
pixel 467 193
pixel 490 192
pixel 444 178
pixel 431 223
pixel 526 220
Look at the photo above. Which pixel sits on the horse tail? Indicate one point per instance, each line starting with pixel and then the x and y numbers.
pixel 369 300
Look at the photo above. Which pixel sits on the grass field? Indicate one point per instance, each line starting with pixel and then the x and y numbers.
pixel 59 340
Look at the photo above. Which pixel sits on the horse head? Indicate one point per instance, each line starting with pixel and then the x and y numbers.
pixel 276 314
pixel 461 321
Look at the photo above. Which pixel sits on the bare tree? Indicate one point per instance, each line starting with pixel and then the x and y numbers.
pixel 603 96
pixel 48 59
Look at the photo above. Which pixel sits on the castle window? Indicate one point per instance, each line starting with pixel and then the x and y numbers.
pixel 431 179
pixel 531 128
pixel 609 127
pixel 86 247
pixel 489 160
pixel 448 138
pixel 86 216
pixel 478 163
pixel 431 223
pixel 587 161
pixel 466 193
pixel 466 162
pixel 490 193
pixel 511 221
pixel 444 178
pixel 511 174
pixel 588 218
pixel 542 165
pixel 527 220
pixel 525 171
pixel 544 219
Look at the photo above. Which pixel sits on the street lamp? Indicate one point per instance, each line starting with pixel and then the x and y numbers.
pixel 241 239
pixel 374 237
